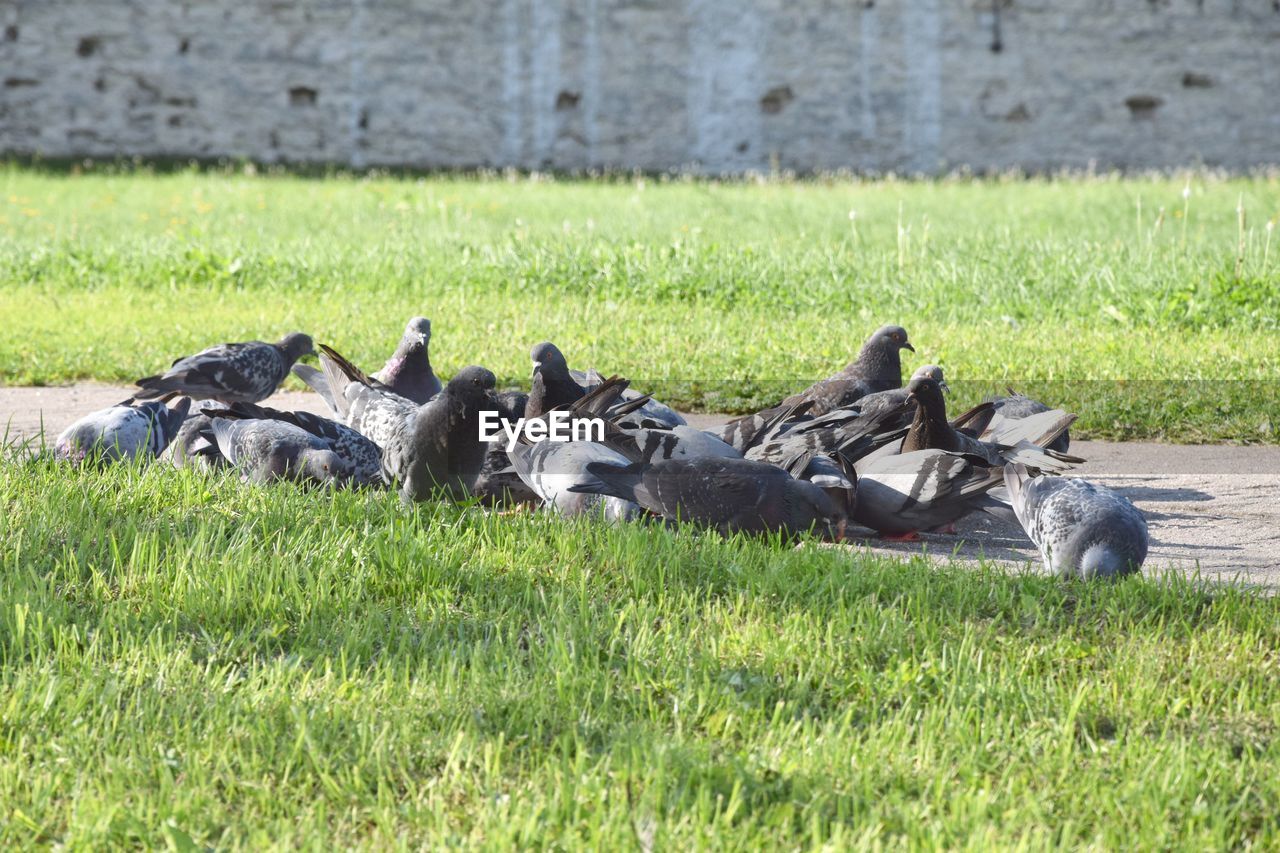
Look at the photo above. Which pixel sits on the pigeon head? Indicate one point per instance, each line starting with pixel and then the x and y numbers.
pixel 472 383
pixel 1104 561
pixel 416 336
pixel 808 505
pixel 295 345
pixel 932 371
pixel 928 393
pixel 545 355
pixel 880 359
pixel 889 338
pixel 324 466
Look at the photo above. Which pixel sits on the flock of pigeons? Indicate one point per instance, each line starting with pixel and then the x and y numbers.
pixel 856 448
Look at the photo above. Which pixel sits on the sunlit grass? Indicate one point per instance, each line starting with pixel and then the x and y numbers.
pixel 721 296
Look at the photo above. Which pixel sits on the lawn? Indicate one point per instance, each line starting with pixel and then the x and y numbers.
pixel 716 297
pixel 183 658
pixel 186 661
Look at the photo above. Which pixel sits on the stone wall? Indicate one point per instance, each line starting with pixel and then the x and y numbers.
pixel 721 85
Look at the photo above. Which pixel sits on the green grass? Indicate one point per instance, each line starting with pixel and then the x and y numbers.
pixel 716 296
pixel 186 659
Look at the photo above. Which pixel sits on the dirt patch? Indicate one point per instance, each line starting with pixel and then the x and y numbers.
pixel 1212 508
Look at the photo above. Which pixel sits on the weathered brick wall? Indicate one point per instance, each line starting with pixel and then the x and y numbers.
pixel 657 84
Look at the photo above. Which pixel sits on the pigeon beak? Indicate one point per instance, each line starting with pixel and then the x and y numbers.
pixel 946 389
pixel 908 346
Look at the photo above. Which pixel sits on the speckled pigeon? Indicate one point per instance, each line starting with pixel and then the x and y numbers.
pixel 878 367
pixel 1017 407
pixel 408 372
pixel 1082 529
pixel 558 473
pixel 230 373
pixel 930 430
pixel 362 458
pixel 552 385
pixel 424 448
pixel 266 450
pixel 730 495
pixel 905 493
pixel 127 430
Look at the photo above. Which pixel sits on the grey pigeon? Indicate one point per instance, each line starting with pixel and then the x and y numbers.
pixel 1082 529
pixel 553 386
pixel 651 415
pixel 266 450
pixel 730 495
pixel 435 446
pixel 361 457
pixel 905 493
pixel 557 471
pixel 408 372
pixel 1018 407
pixel 230 373
pixel 878 367
pixel 930 430
pixel 126 430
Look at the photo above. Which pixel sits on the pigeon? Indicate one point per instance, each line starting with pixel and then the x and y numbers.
pixel 922 490
pixel 127 430
pixel 729 495
pixel 553 386
pixel 408 371
pixel 230 373
pixel 878 367
pixel 930 430
pixel 1017 407
pixel 1082 529
pixel 435 446
pixel 362 458
pixel 651 415
pixel 557 471
pixel 266 450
